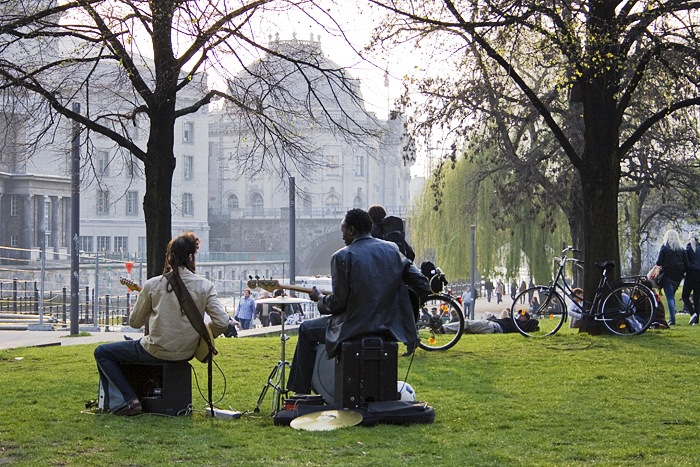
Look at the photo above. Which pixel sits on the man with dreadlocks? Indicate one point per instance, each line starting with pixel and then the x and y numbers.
pixel 171 336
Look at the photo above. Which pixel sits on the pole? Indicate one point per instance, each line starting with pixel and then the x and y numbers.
pixel 95 291
pixel 43 279
pixel 75 227
pixel 471 307
pixel 292 231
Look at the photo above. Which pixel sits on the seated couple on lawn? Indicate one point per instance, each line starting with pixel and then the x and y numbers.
pixel 495 325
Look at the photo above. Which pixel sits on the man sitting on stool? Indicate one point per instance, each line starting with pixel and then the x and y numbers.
pixel 369 297
pixel 171 337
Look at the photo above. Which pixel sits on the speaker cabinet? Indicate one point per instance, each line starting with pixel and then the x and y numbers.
pixel 164 388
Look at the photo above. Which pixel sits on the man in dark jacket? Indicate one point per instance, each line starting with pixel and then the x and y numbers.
pixel 369 297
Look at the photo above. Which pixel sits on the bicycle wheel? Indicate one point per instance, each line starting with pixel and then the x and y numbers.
pixel 546 317
pixel 440 323
pixel 628 309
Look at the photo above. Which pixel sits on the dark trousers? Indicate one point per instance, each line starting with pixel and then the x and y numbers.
pixel 108 357
pixel 691 285
pixel 311 333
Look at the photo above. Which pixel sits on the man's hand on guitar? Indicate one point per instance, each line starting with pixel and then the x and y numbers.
pixel 314 294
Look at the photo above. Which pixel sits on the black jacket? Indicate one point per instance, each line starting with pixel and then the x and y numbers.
pixel 370 295
pixel 673 263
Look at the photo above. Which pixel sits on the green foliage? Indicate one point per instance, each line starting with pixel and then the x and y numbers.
pixel 508 237
pixel 499 399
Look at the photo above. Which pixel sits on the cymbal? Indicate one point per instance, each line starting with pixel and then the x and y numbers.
pixel 283 300
pixel 326 420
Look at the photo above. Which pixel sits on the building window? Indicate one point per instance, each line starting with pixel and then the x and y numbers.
pixel 187 204
pixel 188 168
pixel 332 203
pixel 102 163
pixel 188 132
pixel 103 244
pixel 357 202
pixel 232 202
pixel 142 247
pixel 14 205
pixel 121 244
pixel 14 240
pixel 257 203
pixel 85 244
pixel 359 166
pixel 102 202
pixel 132 203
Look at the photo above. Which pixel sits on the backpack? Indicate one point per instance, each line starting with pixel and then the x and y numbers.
pixel 392 227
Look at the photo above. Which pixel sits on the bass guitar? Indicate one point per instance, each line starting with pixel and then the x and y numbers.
pixel 202 351
pixel 272 284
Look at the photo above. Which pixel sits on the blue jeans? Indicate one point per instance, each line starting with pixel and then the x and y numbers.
pixel 670 286
pixel 311 333
pixel 114 383
pixel 245 323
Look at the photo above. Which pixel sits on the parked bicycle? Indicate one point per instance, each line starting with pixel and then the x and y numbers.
pixel 625 306
pixel 440 320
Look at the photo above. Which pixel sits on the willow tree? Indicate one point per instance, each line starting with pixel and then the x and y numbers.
pixel 606 52
pixel 146 55
pixel 468 194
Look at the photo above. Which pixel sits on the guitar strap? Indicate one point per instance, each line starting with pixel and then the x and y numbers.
pixel 197 321
pixel 190 308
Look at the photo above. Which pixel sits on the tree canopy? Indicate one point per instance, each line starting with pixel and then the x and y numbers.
pixel 605 55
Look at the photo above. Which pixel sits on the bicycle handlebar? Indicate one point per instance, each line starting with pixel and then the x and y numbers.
pixel 570 248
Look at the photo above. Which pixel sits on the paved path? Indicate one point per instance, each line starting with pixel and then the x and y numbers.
pixel 16 339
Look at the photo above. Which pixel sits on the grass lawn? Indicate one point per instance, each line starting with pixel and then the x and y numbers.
pixel 499 399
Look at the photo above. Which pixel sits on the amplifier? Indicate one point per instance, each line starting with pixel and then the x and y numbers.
pixel 164 388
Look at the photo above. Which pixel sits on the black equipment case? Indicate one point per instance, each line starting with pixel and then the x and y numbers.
pixel 366 371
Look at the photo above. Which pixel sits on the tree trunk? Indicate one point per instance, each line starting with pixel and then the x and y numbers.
pixel 160 159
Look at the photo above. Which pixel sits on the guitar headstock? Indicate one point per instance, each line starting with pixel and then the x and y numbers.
pixel 131 285
pixel 266 284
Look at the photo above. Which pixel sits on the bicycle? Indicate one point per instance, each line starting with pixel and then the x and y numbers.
pixel 625 306
pixel 440 321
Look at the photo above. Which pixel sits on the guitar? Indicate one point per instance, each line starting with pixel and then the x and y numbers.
pixel 272 284
pixel 201 353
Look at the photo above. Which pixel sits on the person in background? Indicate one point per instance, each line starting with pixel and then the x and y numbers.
pixel 523 288
pixel 171 335
pixel 673 261
pixel 262 310
pixel 575 308
pixel 467 301
pixel 500 290
pixel 692 278
pixel 246 310
pixel 488 286
pixel 513 289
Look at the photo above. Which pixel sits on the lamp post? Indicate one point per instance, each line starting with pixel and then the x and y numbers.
pixel 75 226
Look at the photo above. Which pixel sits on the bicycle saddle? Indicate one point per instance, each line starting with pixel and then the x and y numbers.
pixel 606 265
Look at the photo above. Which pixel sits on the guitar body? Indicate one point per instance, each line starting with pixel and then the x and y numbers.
pixel 202 352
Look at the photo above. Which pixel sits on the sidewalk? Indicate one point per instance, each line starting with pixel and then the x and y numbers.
pixel 17 339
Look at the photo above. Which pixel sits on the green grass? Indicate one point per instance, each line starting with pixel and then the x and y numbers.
pixel 499 399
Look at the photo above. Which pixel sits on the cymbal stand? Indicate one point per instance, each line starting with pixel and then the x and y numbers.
pixel 276 381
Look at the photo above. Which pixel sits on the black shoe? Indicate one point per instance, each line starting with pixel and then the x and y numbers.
pixel 693 319
pixel 132 408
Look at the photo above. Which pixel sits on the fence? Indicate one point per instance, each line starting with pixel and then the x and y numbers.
pixel 23 298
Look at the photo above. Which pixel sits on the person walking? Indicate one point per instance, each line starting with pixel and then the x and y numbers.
pixel 673 261
pixel 488 286
pixel 692 278
pixel 523 288
pixel 500 290
pixel 246 310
